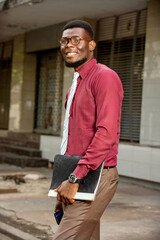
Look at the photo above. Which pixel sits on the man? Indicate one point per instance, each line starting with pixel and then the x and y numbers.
pixel 92 132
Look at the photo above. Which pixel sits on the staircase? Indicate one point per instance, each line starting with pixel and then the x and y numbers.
pixel 21 149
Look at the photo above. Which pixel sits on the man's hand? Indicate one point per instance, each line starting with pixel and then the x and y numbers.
pixel 66 192
pixel 58 206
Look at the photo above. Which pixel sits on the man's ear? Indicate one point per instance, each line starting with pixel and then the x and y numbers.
pixel 92 45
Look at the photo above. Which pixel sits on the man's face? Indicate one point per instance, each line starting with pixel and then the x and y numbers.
pixel 76 55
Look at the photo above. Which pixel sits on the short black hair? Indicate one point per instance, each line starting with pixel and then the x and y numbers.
pixel 80 24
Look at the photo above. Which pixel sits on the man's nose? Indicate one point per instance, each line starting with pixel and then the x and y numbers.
pixel 69 44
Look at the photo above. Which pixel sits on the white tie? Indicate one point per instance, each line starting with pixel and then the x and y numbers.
pixel 66 121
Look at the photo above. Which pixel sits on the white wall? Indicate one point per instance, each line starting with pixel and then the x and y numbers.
pixel 150 120
pixel 139 162
pixel 50 146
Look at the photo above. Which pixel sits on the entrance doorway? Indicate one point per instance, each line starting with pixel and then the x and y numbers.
pixel 5 79
pixel 49 92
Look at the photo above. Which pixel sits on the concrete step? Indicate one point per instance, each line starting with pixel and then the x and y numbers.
pixel 21 229
pixel 15 233
pixel 4 237
pixel 31 152
pixel 22 161
pixel 19 142
pixel 23 135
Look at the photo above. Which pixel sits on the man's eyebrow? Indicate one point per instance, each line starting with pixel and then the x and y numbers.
pixel 76 35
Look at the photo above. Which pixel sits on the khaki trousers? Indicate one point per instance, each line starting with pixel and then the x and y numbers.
pixel 81 220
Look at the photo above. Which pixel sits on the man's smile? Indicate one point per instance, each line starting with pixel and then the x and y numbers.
pixel 70 54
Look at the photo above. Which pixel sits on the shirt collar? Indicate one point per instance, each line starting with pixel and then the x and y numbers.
pixel 83 71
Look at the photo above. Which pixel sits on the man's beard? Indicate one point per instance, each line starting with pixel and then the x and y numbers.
pixel 75 64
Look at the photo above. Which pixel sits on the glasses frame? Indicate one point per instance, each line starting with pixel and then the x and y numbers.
pixel 69 39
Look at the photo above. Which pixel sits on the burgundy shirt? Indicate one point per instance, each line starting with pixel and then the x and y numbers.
pixel 94 123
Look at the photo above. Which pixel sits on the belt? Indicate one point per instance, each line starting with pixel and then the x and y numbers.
pixel 109 167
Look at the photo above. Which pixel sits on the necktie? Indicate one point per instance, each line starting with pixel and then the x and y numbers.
pixel 66 121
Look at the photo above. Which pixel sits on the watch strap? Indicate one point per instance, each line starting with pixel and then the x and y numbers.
pixel 73 179
pixel 78 181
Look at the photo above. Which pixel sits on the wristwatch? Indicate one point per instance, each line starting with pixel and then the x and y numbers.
pixel 73 179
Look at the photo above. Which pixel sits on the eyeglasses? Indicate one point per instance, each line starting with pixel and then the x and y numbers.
pixel 75 40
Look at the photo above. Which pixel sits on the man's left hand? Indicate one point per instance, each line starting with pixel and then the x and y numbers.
pixel 66 191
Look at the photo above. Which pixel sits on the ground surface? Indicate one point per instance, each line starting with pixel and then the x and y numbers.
pixel 133 214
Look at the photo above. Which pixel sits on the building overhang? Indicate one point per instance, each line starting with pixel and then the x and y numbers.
pixel 17 17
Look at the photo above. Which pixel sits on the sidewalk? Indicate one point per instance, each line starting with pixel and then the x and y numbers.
pixel 133 214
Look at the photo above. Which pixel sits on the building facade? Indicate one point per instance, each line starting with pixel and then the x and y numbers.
pixel 34 82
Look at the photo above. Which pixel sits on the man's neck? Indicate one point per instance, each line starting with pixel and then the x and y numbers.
pixel 77 68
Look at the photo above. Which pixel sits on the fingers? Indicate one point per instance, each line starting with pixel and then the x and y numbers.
pixel 59 197
pixel 56 190
pixel 66 192
pixel 58 209
pixel 67 200
pixel 58 206
pixel 64 199
pixel 72 200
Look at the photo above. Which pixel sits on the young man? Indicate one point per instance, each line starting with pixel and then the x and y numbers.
pixel 92 130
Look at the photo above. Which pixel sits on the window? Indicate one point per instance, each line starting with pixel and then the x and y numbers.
pixel 124 53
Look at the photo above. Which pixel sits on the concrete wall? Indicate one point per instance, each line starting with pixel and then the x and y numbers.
pixel 140 162
pixel 22 95
pixel 43 38
pixel 150 126
pixel 67 82
pixel 47 37
pixel 50 146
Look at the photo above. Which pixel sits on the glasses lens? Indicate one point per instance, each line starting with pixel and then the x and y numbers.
pixel 75 40
pixel 63 41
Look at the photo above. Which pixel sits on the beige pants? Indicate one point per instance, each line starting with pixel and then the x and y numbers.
pixel 81 220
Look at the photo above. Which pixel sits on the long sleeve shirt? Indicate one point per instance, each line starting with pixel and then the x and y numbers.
pixel 94 122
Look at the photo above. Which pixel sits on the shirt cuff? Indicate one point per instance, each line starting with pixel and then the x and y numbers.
pixel 81 171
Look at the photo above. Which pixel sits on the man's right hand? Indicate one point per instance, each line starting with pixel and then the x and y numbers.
pixel 58 206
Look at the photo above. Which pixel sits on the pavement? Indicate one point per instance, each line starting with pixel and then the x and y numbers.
pixel 26 212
